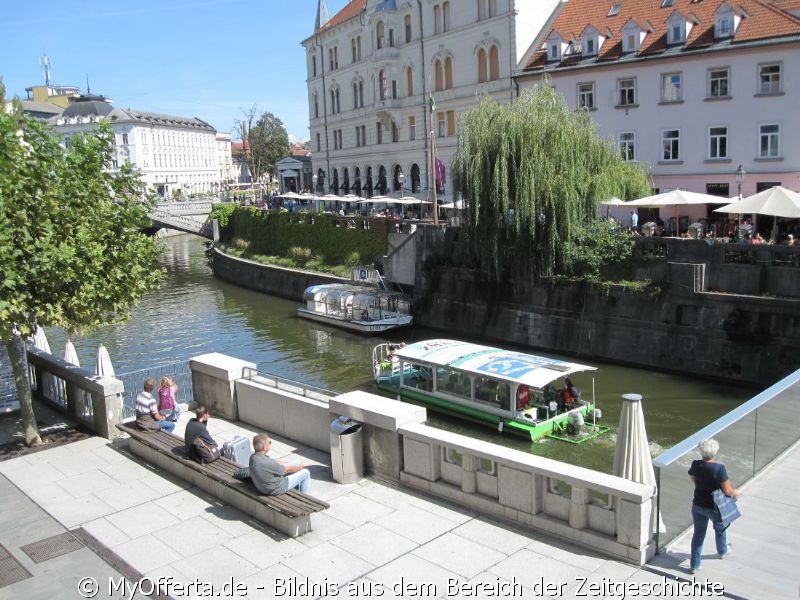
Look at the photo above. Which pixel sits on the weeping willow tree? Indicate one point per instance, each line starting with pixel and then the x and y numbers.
pixel 532 174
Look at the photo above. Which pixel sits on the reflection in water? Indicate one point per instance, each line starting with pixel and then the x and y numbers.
pixel 193 313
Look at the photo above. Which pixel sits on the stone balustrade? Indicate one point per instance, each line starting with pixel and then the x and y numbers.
pixel 600 511
pixel 83 396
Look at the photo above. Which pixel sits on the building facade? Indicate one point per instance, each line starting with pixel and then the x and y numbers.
pixel 176 156
pixel 692 88
pixel 388 81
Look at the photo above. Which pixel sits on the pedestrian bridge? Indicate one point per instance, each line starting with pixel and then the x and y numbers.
pixel 189 217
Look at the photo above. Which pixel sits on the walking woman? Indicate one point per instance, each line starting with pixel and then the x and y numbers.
pixel 707 476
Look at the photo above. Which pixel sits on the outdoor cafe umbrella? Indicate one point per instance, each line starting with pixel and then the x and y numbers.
pixel 103 366
pixel 676 198
pixel 612 202
pixel 632 458
pixel 408 200
pixel 776 201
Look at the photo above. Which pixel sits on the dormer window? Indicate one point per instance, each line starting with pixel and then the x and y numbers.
pixel 677 28
pixel 631 37
pixel 589 41
pixel 614 10
pixel 555 47
pixel 725 22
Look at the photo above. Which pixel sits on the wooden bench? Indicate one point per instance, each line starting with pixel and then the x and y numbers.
pixel 289 513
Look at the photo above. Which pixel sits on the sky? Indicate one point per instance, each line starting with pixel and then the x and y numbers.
pixel 210 59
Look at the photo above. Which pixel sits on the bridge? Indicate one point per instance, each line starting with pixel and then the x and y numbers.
pixel 189 217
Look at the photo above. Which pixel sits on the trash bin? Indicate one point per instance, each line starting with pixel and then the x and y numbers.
pixel 347 451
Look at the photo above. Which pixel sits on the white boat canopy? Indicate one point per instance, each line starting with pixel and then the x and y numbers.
pixel 505 365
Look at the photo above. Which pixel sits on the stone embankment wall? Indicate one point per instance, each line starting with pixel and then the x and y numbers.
pixel 276 281
pixel 727 337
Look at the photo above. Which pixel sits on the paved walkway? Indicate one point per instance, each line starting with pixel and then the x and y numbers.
pixel 375 540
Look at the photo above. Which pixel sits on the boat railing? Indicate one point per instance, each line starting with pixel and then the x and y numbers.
pixel 289 385
pixel 751 436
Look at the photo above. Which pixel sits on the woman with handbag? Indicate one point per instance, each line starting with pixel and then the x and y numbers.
pixel 708 476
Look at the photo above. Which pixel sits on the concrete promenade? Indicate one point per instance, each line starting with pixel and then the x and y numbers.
pixel 376 540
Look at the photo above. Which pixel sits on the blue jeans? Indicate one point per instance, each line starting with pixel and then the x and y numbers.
pixel 300 480
pixel 166 425
pixel 701 516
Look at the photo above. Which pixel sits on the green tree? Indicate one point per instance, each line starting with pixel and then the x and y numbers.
pixel 265 142
pixel 532 173
pixel 71 241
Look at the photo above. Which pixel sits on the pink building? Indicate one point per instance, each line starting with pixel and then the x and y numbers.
pixel 692 88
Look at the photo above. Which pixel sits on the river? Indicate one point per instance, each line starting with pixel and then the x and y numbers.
pixel 193 313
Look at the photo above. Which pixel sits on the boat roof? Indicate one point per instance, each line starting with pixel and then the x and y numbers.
pixel 354 289
pixel 506 365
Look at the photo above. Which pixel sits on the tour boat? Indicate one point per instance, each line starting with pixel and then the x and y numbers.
pixel 354 307
pixel 510 390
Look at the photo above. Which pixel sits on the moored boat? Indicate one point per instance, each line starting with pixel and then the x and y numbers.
pixel 356 308
pixel 510 390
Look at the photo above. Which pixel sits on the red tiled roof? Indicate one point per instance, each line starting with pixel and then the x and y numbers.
pixel 761 19
pixel 350 10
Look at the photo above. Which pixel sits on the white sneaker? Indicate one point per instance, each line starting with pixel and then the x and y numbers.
pixel 693 571
pixel 723 556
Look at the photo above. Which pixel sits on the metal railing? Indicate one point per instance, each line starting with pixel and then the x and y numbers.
pixel 179 372
pixel 751 437
pixel 290 385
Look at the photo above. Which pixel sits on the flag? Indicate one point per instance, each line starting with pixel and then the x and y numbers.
pixel 440 173
pixel 432 103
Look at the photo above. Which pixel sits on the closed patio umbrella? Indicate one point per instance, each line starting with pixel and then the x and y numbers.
pixel 70 355
pixel 103 366
pixel 632 458
pixel 40 340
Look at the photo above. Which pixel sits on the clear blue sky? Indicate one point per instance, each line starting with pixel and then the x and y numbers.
pixel 194 58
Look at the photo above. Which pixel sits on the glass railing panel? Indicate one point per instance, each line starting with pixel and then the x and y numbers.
pixel 778 424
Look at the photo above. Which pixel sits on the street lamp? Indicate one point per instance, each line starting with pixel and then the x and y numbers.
pixel 314 179
pixel 740 173
pixel 401 177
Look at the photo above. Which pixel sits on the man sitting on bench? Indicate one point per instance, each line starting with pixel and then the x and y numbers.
pixel 272 477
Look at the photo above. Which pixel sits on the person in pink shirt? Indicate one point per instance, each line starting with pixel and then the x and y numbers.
pixel 167 399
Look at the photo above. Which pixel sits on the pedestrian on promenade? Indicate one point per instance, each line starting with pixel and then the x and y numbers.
pixel 274 477
pixel 147 416
pixel 634 220
pixel 167 399
pixel 707 476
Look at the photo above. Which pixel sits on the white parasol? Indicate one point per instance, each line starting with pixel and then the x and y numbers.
pixel 103 366
pixel 632 458
pixel 676 198
pixel 776 201
pixel 40 340
pixel 70 355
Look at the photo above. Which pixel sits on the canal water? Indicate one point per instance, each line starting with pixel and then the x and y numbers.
pixel 193 313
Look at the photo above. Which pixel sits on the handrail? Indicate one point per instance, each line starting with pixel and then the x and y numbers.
pixel 279 382
pixel 667 457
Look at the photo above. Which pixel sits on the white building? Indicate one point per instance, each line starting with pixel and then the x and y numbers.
pixel 224 159
pixel 173 154
pixel 694 89
pixel 374 65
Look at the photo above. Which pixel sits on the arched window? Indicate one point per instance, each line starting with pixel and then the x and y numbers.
pixel 355 95
pixel 396 185
pixel 494 64
pixel 481 65
pixel 381 180
pixel 313 66
pixel 333 101
pixel 316 106
pixel 361 94
pixel 338 106
pixel 346 181
pixel 448 73
pixel 320 179
pixel 357 181
pixel 438 75
pixel 415 181
pixel 335 182
pixel 380 37
pixel 369 187
pixel 409 81
pixel 407 25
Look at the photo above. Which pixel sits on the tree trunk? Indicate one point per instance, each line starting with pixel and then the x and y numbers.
pixel 18 357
